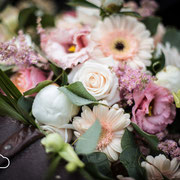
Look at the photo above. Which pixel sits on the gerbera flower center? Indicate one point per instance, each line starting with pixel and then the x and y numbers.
pixel 106 136
pixel 119 46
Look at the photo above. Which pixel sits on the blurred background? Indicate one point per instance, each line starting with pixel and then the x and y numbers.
pixel 169 10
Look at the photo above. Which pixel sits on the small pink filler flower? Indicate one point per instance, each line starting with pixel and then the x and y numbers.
pixel 154 108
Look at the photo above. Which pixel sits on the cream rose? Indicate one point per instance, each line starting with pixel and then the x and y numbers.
pixel 98 79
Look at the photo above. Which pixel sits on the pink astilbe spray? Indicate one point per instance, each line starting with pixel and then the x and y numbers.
pixel 129 80
pixel 18 52
pixel 171 148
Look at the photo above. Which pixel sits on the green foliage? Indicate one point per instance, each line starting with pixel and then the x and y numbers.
pixel 40 86
pixel 98 166
pixel 5 68
pixel 88 141
pixel 83 3
pixel 28 16
pixel 131 156
pixel 77 93
pixel 25 103
pixel 172 36
pixel 158 63
pixel 152 140
pixel 152 23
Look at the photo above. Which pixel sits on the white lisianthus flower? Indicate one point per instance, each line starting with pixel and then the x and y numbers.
pixel 120 177
pixel 89 16
pixel 53 110
pixel 160 165
pixel 98 79
pixel 125 39
pixel 169 78
pixel 172 54
pixel 113 122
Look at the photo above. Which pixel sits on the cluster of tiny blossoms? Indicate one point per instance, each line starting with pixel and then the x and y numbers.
pixel 17 52
pixel 171 148
pixel 129 80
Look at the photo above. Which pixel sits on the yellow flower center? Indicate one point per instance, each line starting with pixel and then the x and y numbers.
pixel 72 49
pixel 150 111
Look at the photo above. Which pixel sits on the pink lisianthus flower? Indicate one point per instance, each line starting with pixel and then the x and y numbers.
pixel 154 108
pixel 66 46
pixel 28 78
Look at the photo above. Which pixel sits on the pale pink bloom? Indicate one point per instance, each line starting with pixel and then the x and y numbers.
pixel 28 78
pixel 66 46
pixel 124 38
pixel 154 108
pixel 113 122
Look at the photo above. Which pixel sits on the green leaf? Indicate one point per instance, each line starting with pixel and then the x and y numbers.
pixel 40 86
pixel 8 87
pixel 64 78
pixel 131 156
pixel 5 68
pixel 55 69
pixel 77 93
pixel 26 15
pixel 151 23
pixel 152 140
pixel 25 103
pixel 88 141
pixel 130 13
pixel 158 62
pixel 83 3
pixel 177 98
pixel 98 165
pixel 48 20
pixel 52 168
pixel 172 36
pixel 8 110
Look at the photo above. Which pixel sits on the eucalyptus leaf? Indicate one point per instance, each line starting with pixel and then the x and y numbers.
pixel 152 140
pixel 151 23
pixel 88 141
pixel 98 165
pixel 131 156
pixel 5 68
pixel 83 3
pixel 78 94
pixel 40 86
pixel 172 36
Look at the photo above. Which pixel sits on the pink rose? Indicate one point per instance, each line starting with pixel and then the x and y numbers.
pixel 65 46
pixel 154 108
pixel 28 78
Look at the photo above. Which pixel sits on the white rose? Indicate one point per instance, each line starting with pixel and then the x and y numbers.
pixel 169 78
pixel 98 79
pixel 52 107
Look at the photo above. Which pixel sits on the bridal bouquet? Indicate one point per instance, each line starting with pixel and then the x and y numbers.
pixel 103 86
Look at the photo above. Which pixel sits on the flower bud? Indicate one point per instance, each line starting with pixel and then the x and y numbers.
pixel 53 142
pixel 112 6
pixel 71 167
pixel 69 155
pixel 52 107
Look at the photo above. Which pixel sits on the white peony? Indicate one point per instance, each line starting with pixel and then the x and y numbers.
pixel 169 78
pixel 53 110
pixel 160 165
pixel 98 79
